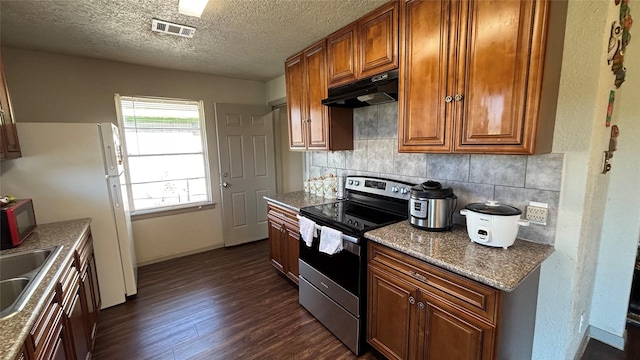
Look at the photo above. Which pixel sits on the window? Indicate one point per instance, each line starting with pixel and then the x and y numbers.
pixel 165 153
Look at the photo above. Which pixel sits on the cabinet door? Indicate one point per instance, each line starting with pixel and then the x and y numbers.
pixel 424 119
pixel 9 145
pixel 88 289
pixel 390 308
pixel 342 56
pixel 292 240
pixel 316 85
pixel 276 245
pixel 77 327
pixel 497 80
pixel 378 41
pixel 296 93
pixel 448 333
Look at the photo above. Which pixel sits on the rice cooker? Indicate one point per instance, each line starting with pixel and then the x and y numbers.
pixel 431 206
pixel 493 224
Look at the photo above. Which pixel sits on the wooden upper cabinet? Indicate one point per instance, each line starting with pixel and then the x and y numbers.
pixel 9 144
pixel 424 77
pixel 364 48
pixel 313 126
pixel 294 79
pixel 378 41
pixel 471 79
pixel 316 84
pixel 342 56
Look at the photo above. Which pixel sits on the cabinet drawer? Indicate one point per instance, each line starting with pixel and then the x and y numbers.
pixel 68 285
pixel 283 213
pixel 83 251
pixel 44 328
pixel 479 299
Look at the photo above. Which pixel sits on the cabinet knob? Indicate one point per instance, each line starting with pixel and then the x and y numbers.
pixel 421 305
pixel 448 99
pixel 458 97
pixel 412 300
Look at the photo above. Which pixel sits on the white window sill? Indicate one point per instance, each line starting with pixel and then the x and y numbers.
pixel 154 213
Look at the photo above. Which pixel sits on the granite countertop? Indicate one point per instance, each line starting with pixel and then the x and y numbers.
pixel 15 328
pixel 298 199
pixel 500 268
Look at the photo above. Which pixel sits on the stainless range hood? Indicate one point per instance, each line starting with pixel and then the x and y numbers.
pixel 378 89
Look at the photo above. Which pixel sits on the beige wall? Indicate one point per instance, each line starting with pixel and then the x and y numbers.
pixel 276 90
pixel 291 160
pixel 57 88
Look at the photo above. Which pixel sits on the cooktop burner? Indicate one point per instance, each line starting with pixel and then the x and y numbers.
pixel 370 203
pixel 352 215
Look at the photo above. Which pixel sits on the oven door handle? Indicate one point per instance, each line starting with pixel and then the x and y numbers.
pixel 344 237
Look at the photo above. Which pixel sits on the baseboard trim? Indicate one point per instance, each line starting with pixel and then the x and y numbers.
pixel 608 338
pixel 583 345
pixel 178 255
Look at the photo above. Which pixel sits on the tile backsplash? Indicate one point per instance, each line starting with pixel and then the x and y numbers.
pixel 510 179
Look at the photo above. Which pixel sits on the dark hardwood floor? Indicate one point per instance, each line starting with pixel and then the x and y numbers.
pixel 220 304
pixel 232 304
pixel 597 350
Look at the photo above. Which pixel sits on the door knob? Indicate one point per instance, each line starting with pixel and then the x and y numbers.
pixel 225 184
pixel 448 99
pixel 412 300
pixel 458 97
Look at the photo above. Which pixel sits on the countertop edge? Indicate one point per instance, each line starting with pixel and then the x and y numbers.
pixel 278 202
pixel 16 327
pixel 525 267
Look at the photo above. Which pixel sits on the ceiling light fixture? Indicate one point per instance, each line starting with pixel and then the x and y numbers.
pixel 192 7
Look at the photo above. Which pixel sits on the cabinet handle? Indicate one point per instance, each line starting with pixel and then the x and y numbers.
pixel 448 99
pixel 418 276
pixel 412 300
pixel 421 305
pixel 458 97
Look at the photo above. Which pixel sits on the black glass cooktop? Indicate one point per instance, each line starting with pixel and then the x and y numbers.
pixel 350 216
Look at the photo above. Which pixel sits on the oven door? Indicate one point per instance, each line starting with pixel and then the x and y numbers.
pixel 344 268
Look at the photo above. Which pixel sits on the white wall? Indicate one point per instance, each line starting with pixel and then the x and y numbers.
pixel 568 276
pixel 276 90
pixel 621 229
pixel 292 161
pixel 48 87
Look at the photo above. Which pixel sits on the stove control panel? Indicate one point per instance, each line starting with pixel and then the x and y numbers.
pixel 378 186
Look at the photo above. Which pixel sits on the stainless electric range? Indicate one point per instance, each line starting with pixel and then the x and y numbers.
pixel 333 288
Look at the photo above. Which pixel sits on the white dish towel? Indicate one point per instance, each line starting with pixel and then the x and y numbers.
pixel 307 230
pixel 330 240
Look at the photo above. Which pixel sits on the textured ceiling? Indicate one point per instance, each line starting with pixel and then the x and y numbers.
pixel 247 39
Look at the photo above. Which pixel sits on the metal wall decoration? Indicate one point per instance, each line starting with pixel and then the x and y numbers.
pixel 612 96
pixel 618 41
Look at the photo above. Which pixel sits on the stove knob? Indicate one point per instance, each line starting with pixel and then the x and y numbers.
pixel 394 189
pixel 350 221
pixel 355 223
pixel 350 182
pixel 356 183
pixel 404 191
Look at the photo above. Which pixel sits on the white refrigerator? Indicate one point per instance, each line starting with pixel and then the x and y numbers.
pixel 74 171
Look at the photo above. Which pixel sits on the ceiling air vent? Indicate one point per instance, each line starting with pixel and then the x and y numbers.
pixel 171 28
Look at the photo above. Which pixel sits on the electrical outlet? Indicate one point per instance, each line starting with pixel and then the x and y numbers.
pixel 537 212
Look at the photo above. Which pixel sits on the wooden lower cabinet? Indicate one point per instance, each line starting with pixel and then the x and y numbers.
pixel 389 313
pixel 66 328
pixel 284 234
pixel 445 332
pixel 418 311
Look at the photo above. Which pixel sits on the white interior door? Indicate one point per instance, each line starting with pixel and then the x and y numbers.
pixel 247 170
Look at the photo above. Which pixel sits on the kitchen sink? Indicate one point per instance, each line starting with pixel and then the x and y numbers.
pixel 10 290
pixel 20 274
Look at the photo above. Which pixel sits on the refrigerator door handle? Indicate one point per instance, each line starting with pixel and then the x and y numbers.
pixel 115 195
pixel 111 159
